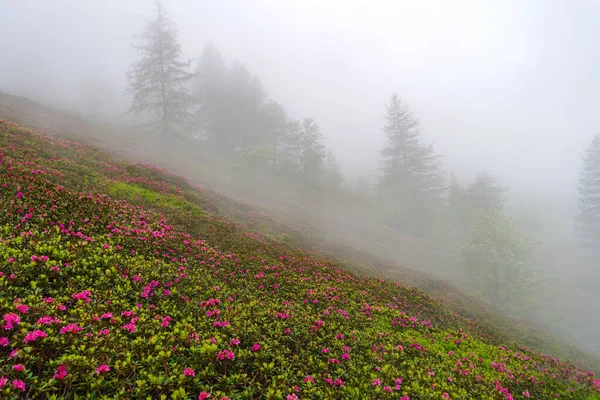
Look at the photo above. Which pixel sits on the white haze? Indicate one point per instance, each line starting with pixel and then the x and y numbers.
pixel 510 87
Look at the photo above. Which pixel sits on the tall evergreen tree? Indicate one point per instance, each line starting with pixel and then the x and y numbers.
pixel 485 194
pixel 588 220
pixel 411 178
pixel 211 92
pixel 159 81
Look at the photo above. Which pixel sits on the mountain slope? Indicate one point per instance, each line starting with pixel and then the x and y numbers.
pixel 124 281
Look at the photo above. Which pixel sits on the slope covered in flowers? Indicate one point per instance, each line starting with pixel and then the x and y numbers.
pixel 116 283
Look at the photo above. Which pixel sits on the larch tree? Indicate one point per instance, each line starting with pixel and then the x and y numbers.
pixel 588 220
pixel 160 80
pixel 411 179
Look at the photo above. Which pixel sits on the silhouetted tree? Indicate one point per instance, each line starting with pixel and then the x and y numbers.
pixel 588 220
pixel 411 180
pixel 485 194
pixel 211 92
pixel 312 150
pixel 332 173
pixel 159 81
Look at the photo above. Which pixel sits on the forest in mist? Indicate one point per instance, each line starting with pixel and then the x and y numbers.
pixel 460 141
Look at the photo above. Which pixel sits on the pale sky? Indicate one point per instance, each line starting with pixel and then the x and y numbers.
pixel 505 86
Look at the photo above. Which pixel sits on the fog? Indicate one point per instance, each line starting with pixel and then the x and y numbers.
pixel 507 87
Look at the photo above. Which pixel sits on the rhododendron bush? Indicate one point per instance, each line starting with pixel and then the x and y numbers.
pixel 116 283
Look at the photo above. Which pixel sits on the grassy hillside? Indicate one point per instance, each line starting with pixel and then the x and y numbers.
pixel 126 281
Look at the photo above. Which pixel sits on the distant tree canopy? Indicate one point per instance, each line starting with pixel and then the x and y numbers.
pixel 483 193
pixel 498 260
pixel 411 178
pixel 159 81
pixel 238 119
pixel 588 220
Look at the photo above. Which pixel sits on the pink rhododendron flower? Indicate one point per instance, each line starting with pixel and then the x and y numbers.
pixel 292 396
pixel 189 372
pixel 203 396
pixel 61 372
pixel 226 354
pixel 234 342
pixel 19 385
pixel 256 347
pixel 4 341
pixel 102 369
pixel 22 308
pixel 18 367
pixel 3 382
pixel 376 382
pixel 10 320
pixel 34 335
pixel 71 328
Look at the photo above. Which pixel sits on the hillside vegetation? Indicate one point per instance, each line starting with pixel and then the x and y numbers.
pixel 123 280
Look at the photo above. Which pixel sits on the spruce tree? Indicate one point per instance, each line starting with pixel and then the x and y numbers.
pixel 411 181
pixel 159 80
pixel 588 220
pixel 210 91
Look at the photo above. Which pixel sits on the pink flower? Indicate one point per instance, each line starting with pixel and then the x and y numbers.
pixel 72 328
pixel 292 396
pixel 445 395
pixel 345 356
pixel 387 389
pixel 85 296
pixel 189 372
pixel 102 369
pixel 18 384
pixel 4 341
pixel 203 396
pixel 22 308
pixel 308 379
pixel 376 382
pixel 3 382
pixel 61 372
pixel 10 319
pixel 526 394
pixel 256 347
pixel 325 350
pixel 46 320
pixel 106 316
pixel 167 292
pixel 13 354
pixel 130 327
pixel 234 342
pixel 18 367
pixel 226 354
pixel 34 335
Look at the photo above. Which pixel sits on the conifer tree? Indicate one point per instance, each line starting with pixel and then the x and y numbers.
pixel 159 80
pixel 411 180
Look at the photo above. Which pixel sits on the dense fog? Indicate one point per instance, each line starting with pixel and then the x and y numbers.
pixel 501 98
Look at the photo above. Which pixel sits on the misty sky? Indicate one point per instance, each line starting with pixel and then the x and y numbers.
pixel 507 86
